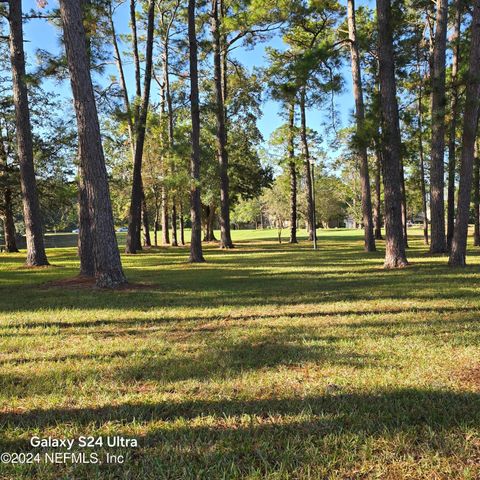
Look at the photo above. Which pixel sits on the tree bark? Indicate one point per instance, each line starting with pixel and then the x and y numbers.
pixel 221 133
pixel 85 239
pixel 108 267
pixel 453 125
pixel 133 243
pixel 470 124
pixel 306 167
pixel 394 242
pixel 437 182
pixel 196 254
pixel 360 140
pixel 36 255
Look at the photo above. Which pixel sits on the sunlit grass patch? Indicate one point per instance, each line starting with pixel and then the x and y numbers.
pixel 269 361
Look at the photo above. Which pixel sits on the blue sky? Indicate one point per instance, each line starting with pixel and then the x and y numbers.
pixel 40 34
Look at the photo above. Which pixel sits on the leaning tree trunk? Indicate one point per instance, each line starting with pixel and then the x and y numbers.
pixel 394 242
pixel 453 124
pixel 437 182
pixel 221 133
pixel 134 219
pixel 306 167
pixel 476 200
pixel 36 255
pixel 8 223
pixel 470 123
pixel 293 175
pixel 108 267
pixel 360 140
pixel 196 254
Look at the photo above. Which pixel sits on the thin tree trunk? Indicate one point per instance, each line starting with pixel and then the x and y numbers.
pixel 136 61
pixel 395 244
pixel 437 182
pixel 108 267
pixel 146 227
pixel 221 134
pixel 174 225
pixel 470 124
pixel 8 223
pixel 165 227
pixel 306 167
pixel 196 254
pixel 476 200
pixel 422 161
pixel 360 140
pixel 134 219
pixel 453 125
pixel 182 225
pixel 377 212
pixel 293 175
pixel 36 255
pixel 123 83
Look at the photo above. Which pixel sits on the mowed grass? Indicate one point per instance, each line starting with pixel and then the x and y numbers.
pixel 267 362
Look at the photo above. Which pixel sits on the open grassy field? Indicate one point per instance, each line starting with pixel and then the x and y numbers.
pixel 268 362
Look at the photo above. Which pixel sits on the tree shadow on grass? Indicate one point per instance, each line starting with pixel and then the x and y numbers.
pixel 270 434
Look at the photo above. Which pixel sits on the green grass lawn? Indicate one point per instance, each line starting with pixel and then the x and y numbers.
pixel 267 362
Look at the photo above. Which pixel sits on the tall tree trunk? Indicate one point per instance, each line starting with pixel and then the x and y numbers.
pixel 421 154
pixel 306 167
pixel 36 255
pixel 196 253
pixel 293 175
pixel 182 226
pixel 136 60
pixel 476 199
pixel 221 133
pixel 165 227
pixel 377 211
pixel 123 83
pixel 85 239
pixel 360 140
pixel 8 223
pixel 134 219
pixel 437 182
pixel 470 124
pixel 174 225
pixel 108 267
pixel 453 125
pixel 395 244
